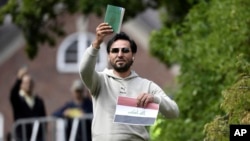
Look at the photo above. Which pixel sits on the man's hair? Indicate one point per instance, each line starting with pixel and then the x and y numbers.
pixel 122 36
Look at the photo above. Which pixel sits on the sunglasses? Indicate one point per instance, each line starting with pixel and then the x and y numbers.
pixel 117 50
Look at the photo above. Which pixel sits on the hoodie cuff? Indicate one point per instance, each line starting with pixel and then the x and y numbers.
pixel 93 51
pixel 157 99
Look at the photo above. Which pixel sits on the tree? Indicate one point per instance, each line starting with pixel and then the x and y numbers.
pixel 40 23
pixel 39 19
pixel 206 45
pixel 235 104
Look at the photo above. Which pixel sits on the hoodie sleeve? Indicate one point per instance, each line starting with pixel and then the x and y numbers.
pixel 87 69
pixel 168 107
pixel 14 94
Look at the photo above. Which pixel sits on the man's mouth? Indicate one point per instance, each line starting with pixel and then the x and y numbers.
pixel 120 61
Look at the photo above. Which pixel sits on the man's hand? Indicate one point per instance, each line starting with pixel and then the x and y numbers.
pixel 144 99
pixel 21 72
pixel 102 30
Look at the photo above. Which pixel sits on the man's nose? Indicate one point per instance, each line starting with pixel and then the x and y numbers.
pixel 120 53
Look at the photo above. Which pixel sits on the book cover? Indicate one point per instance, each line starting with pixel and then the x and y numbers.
pixel 114 16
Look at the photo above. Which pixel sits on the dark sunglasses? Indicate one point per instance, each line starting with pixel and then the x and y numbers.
pixel 116 50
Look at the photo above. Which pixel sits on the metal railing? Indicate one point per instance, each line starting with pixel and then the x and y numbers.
pixel 52 129
pixel 1 127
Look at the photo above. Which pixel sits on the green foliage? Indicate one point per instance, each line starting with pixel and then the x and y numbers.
pixel 40 21
pixel 236 104
pixel 175 11
pixel 206 46
pixel 218 130
pixel 37 20
pixel 98 6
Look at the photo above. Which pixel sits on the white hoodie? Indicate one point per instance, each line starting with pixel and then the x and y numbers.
pixel 105 88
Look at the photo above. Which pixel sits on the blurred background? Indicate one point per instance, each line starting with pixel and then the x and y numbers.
pixel 55 67
pixel 198 51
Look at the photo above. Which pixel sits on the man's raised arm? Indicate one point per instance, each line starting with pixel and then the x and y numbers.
pixel 88 61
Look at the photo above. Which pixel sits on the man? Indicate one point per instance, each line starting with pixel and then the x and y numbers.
pixel 26 104
pixel 78 107
pixel 106 86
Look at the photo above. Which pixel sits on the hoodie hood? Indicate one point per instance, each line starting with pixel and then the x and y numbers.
pixel 110 73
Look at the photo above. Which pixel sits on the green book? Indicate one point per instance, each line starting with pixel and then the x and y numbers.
pixel 114 16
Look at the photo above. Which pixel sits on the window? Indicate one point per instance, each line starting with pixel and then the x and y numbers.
pixel 71 53
pixel 71 49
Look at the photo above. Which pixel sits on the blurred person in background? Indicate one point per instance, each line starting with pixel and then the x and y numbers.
pixel 77 107
pixel 26 104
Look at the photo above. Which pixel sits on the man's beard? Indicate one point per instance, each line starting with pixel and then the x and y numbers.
pixel 122 68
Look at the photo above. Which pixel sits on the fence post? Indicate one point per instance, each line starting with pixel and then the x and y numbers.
pixel 74 127
pixel 34 131
pixel 60 132
pixel 1 127
pixel 58 125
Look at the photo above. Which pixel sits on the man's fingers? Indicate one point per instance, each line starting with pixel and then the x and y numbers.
pixel 102 31
pixel 144 99
pixel 104 28
pixel 139 100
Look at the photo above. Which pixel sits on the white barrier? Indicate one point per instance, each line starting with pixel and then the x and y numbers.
pixel 74 129
pixel 36 122
pixel 55 128
pixel 60 132
pixel 1 127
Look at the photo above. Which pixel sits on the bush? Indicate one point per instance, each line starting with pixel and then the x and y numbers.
pixel 206 46
pixel 236 105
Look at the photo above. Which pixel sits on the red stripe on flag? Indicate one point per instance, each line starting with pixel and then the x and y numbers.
pixel 127 101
